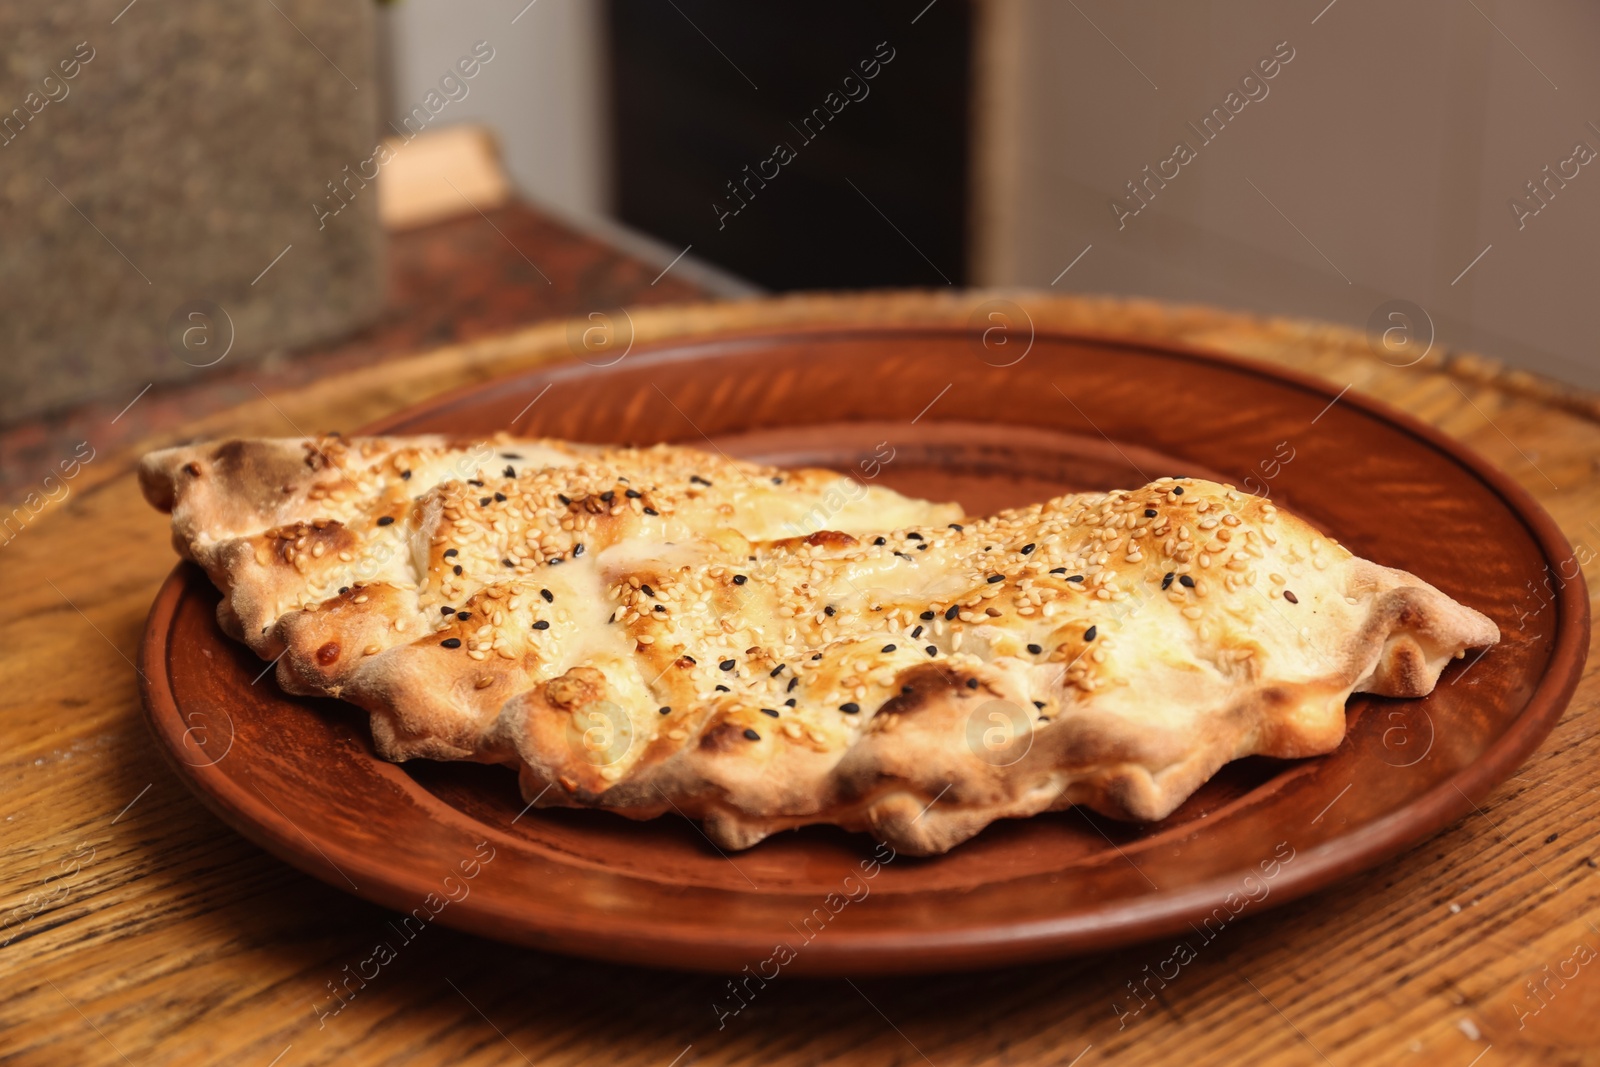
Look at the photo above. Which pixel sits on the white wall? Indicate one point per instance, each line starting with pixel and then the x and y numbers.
pixel 1393 140
pixel 542 93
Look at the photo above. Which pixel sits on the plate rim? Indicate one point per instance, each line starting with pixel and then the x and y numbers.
pixel 994 943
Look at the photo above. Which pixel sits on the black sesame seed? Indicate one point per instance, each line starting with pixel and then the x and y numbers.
pixel 739 579
pixel 510 471
pixel 1150 513
pixel 996 578
pixel 727 665
pixel 907 690
pixel 450 642
pixel 930 650
pixel 789 703
pixel 483 501
pixel 916 633
pixel 1290 597
pixel 1035 649
pixel 751 734
pixel 926 616
pixel 577 550
pixel 952 611
pixel 646 590
pixel 451 552
pixel 878 541
pixel 456 568
pixel 549 597
pixel 816 655
pixel 609 495
pixel 406 475
pixel 830 611
pixel 1166 579
pixel 1088 635
pixel 553 562
pixel 691 660
pixel 887 648
pixel 1177 490
pixel 386 520
pixel 776 480
pixel 792 683
pixel 475 481
pixel 902 555
pixel 913 537
pixel 667 710
pixel 511 455
pixel 723 689
pixel 632 494
pixel 651 511
pixel 695 479
pixel 1186 581
pixel 851 708
pixel 1039 704
pixel 1075 578
pixel 774 672
pixel 972 683
pixel 507 563
pixel 1058 570
pixel 770 711
pixel 922 547
pixel 446 610
pixel 564 498
pixel 501 497
pixel 463 615
pixel 1028 548
pixel 957 526
pixel 541 625
pixel 660 607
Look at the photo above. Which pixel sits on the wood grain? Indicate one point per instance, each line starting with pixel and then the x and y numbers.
pixel 143 931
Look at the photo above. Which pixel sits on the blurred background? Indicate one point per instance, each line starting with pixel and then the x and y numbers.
pixel 199 200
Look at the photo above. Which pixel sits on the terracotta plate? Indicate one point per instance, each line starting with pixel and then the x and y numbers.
pixel 299 777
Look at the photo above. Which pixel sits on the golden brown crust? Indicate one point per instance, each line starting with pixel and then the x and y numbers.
pixel 656 630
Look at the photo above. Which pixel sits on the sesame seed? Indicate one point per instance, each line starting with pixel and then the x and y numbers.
pixel 770 711
pixel 450 642
pixel 851 708
pixel 1028 548
pixel 952 611
pixel 456 568
pixel 1075 578
pixel 789 703
pixel 723 689
pixel 541 625
pixel 449 552
pixel 463 615
pixel 501 497
pixel 666 710
pixel 956 526
pixel 577 550
pixel 1166 579
pixel 916 633
pixel 776 480
pixel 632 494
pixel 829 610
pixel 996 578
pixel 510 471
pixel 446 610
pixel 345 589
pixel 1035 649
pixel 1058 570
pixel 483 501
pixel 887 649
pixel 549 597
pixel 727 665
pixel 695 479
pixel 507 563
pixel 913 536
pixel 775 671
pixel 385 520
pixel 1186 581
pixel 1150 513
pixel 1088 635
pixel 926 616
pixel 878 541
pixel 406 475
pixel 651 511
pixel 1039 704
pixel 816 655
pixel 609 495
pixel 475 481
pixel 792 683
pixel 1177 490
pixel 931 650
pixel 564 498
pixel 972 683
pixel 751 734
pixel 739 579
pixel 1290 597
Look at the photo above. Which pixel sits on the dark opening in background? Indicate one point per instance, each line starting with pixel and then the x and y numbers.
pixel 753 133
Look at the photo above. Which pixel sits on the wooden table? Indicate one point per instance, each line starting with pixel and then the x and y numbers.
pixel 143 931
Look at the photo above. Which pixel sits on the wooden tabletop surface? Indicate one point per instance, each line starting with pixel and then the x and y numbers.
pixel 135 928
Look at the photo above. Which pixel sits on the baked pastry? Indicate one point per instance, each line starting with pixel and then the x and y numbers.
pixel 657 630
